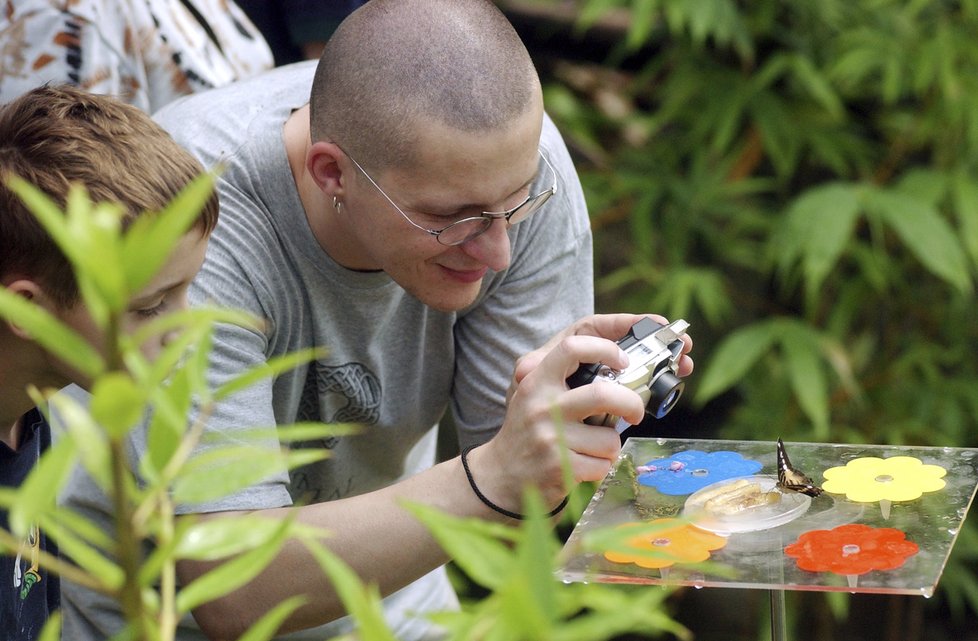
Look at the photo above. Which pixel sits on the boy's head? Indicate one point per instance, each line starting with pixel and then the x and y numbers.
pixel 54 136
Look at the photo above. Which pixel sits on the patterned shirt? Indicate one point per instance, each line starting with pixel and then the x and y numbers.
pixel 145 52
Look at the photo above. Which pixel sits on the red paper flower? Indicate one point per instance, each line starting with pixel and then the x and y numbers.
pixel 851 549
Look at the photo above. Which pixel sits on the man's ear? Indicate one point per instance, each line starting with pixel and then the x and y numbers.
pixel 323 165
pixel 32 291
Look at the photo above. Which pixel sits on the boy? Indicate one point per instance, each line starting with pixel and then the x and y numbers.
pixel 54 136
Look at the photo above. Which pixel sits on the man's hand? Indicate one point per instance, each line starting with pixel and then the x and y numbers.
pixel 544 415
pixel 610 326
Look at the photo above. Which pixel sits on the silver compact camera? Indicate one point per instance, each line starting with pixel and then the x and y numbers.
pixel 653 352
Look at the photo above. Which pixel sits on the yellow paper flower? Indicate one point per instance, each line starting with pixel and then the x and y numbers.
pixel 676 541
pixel 898 478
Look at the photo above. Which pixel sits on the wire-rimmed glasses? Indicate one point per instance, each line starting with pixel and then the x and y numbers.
pixel 462 231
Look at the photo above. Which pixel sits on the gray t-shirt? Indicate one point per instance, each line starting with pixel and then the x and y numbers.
pixel 393 365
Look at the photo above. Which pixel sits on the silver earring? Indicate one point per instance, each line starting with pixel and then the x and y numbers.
pixel 336 203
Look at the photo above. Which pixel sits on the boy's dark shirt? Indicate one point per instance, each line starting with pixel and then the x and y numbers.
pixel 28 594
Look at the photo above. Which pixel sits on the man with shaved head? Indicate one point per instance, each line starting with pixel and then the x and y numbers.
pixel 407 205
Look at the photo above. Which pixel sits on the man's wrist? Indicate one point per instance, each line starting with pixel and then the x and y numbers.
pixel 491 504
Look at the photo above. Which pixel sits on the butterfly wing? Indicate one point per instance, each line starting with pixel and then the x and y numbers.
pixel 792 479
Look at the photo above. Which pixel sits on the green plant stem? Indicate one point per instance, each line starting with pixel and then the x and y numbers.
pixel 128 539
pixel 127 543
pixel 159 505
pixel 168 578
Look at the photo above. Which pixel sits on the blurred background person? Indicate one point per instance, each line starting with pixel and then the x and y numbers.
pixel 297 29
pixel 144 52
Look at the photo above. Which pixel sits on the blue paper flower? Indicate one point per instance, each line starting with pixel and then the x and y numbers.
pixel 689 471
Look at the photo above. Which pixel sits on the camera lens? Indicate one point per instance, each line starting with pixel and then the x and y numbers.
pixel 666 390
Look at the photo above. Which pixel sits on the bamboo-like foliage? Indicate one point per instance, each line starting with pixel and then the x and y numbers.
pixel 799 180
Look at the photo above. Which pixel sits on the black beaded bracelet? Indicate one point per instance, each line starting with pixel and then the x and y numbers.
pixel 490 504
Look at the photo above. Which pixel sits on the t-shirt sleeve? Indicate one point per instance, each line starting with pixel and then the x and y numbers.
pixel 225 282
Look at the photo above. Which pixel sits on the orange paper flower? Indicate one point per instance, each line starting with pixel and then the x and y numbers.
pixel 898 478
pixel 851 549
pixel 674 541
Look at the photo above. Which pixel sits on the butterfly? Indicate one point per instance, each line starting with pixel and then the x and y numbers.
pixel 791 479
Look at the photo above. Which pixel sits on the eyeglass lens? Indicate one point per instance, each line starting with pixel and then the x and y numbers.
pixel 467 229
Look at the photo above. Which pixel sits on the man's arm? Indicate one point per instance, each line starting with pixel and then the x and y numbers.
pixel 385 545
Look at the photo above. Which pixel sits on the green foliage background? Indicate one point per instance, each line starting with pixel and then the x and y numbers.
pixel 797 179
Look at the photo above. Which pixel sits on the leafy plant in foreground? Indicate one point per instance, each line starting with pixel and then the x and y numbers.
pixel 110 266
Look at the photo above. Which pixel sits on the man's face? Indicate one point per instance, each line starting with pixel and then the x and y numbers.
pixel 165 293
pixel 457 175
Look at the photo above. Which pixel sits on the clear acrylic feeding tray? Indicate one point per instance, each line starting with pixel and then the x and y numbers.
pixel 884 522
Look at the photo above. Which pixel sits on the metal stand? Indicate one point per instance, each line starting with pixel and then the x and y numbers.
pixel 778 629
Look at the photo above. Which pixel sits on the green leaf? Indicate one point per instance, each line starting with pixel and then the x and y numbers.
pixel 591 11
pixel 925 185
pixel 100 271
pixel 269 369
pixel 817 228
pixel 535 552
pixel 643 21
pixel 150 239
pixel 221 471
pixel 478 547
pixel 268 625
pixel 925 233
pixel 780 139
pixel 732 359
pixel 805 370
pixel 839 605
pixel 168 424
pixel 52 628
pixel 965 189
pixel 519 611
pixel 234 573
pixel 116 403
pixel 8 497
pixel 182 344
pixel 91 559
pixel 528 602
pixel 215 538
pixel 299 432
pixel 196 321
pixel 612 538
pixel 817 85
pixel 361 602
pixel 608 612
pixel 313 431
pixel 50 216
pixel 89 439
pixel 65 523
pixel 39 491
pixel 51 334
